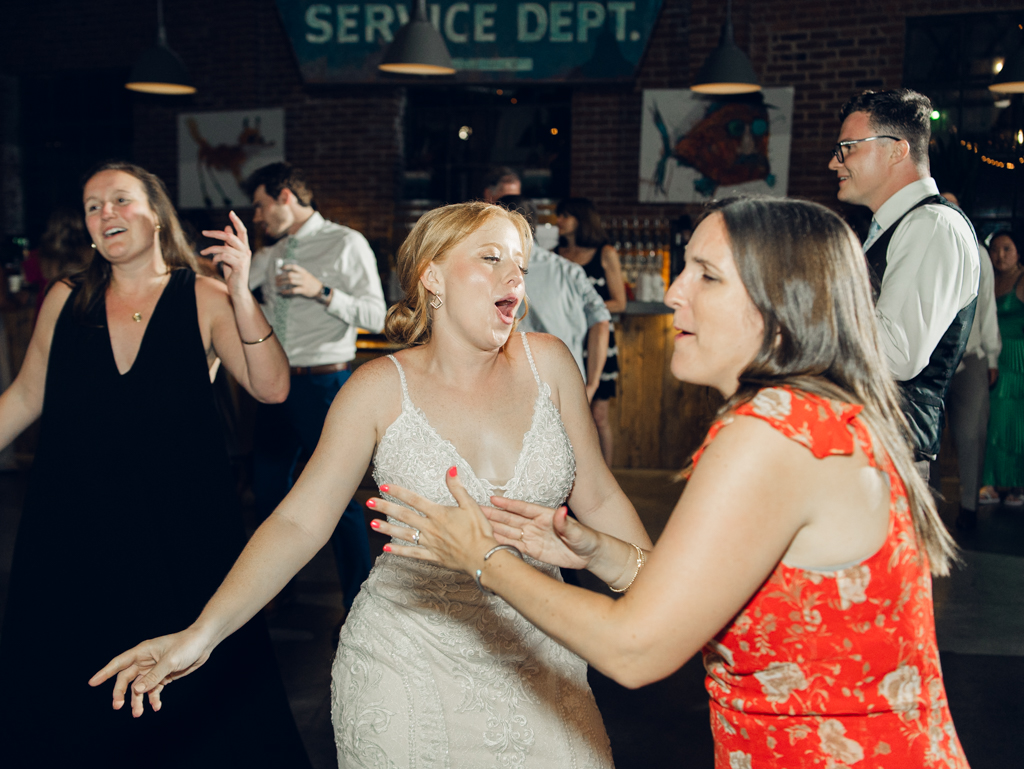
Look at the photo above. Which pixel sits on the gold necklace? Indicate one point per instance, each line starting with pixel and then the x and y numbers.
pixel 137 317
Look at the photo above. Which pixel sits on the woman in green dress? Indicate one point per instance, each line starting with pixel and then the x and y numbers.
pixel 1004 454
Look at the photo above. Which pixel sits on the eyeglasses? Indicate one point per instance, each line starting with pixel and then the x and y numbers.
pixel 837 151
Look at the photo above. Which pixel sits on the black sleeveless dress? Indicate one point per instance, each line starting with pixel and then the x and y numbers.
pixel 610 374
pixel 129 526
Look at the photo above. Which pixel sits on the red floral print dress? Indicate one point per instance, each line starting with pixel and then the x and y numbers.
pixel 832 669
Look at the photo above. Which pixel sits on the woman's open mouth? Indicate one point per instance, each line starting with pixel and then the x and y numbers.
pixel 507 309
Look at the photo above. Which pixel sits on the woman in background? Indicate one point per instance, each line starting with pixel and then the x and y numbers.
pixel 1004 454
pixel 583 241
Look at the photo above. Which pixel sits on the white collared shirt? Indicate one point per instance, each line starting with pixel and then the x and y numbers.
pixel 932 273
pixel 984 340
pixel 341 259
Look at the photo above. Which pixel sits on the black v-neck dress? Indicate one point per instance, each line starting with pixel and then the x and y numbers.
pixel 130 524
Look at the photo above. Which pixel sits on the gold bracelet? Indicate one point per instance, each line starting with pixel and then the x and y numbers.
pixel 641 559
pixel 264 339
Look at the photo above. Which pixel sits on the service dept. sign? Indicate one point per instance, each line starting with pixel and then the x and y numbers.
pixel 500 41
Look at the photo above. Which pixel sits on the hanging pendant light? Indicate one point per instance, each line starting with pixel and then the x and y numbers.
pixel 160 70
pixel 727 70
pixel 418 48
pixel 1011 77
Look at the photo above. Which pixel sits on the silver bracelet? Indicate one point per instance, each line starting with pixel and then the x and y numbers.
pixel 479 572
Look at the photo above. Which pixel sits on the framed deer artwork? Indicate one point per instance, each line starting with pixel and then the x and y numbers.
pixel 218 150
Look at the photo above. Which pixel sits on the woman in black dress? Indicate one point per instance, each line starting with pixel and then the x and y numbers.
pixel 582 240
pixel 131 521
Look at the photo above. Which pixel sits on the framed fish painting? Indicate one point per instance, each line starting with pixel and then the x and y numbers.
pixel 695 147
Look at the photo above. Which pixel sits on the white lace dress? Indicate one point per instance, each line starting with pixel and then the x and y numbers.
pixel 430 672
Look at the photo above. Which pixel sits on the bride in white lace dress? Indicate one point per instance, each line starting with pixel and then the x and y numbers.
pixel 430 671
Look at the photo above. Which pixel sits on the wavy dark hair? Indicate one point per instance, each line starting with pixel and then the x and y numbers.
pixel 804 271
pixel 177 251
pixel 589 230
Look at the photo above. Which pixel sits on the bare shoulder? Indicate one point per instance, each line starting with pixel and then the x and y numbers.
pixel 749 444
pixel 555 366
pixel 609 254
pixel 210 289
pixel 550 354
pixel 54 303
pixel 374 388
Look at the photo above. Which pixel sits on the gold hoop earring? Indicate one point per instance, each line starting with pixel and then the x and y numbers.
pixel 438 300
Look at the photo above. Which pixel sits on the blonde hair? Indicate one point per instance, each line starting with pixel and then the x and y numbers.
pixel 434 236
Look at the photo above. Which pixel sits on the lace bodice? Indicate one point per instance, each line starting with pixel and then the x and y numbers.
pixel 412 454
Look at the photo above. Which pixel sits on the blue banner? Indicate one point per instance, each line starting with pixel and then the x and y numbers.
pixel 491 42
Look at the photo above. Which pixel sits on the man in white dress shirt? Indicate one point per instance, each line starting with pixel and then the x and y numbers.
pixel 922 251
pixel 320 284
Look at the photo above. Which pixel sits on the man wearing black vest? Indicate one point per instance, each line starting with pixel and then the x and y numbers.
pixel 921 251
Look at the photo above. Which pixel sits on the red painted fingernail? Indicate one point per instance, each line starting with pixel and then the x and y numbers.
pixel 387 548
pixel 453 472
pixel 374 524
pixel 371 503
pixel 384 488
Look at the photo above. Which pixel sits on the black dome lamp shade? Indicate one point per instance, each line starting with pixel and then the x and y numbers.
pixel 160 70
pixel 727 70
pixel 418 48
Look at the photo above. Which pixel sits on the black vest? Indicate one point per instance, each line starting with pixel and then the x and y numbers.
pixel 923 395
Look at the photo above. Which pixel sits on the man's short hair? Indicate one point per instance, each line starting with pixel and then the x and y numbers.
pixel 899 112
pixel 499 175
pixel 524 206
pixel 277 177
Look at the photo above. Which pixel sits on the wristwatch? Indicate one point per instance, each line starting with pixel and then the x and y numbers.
pixel 324 297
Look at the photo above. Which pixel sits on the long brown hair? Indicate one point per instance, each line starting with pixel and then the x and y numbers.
pixel 435 234
pixel 804 271
pixel 176 249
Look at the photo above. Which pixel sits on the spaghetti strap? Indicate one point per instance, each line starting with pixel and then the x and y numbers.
pixel 401 375
pixel 529 356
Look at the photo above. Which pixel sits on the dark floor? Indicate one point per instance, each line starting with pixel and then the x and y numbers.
pixel 979 615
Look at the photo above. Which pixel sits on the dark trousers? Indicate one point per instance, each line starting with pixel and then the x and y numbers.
pixel 283 432
pixel 967 407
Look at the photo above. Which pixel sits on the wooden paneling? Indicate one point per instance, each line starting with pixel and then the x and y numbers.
pixel 658 420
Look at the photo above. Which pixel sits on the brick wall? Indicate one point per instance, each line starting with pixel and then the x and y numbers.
pixel 349 138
